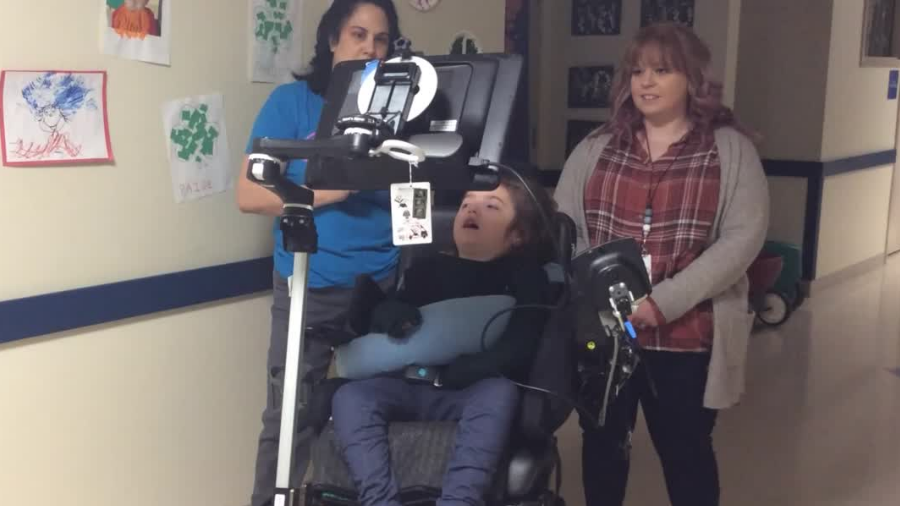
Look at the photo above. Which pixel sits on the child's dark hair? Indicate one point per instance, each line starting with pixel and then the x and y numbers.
pixel 329 31
pixel 537 239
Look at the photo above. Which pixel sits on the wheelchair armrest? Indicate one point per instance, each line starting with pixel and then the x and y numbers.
pixel 553 370
pixel 565 239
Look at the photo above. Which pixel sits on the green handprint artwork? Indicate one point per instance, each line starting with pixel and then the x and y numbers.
pixel 195 137
pixel 272 24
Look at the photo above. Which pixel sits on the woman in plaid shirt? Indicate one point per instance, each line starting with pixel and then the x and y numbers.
pixel 672 170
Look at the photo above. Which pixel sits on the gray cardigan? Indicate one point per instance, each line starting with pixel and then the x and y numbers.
pixel 719 273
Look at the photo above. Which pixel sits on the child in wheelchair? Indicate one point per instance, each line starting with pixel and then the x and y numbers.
pixel 502 244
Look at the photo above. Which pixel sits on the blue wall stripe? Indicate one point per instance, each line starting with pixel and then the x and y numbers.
pixel 860 162
pixel 72 309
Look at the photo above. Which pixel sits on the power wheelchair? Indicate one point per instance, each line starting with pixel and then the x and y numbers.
pixel 361 152
pixel 530 473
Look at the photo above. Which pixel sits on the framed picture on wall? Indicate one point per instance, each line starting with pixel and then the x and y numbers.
pixel 577 130
pixel 589 86
pixel 880 35
pixel 596 17
pixel 676 11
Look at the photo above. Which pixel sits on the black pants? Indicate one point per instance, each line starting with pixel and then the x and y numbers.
pixel 680 427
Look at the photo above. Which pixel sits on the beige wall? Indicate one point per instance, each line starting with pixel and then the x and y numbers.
pixel 162 410
pixel 801 85
pixel 782 68
pixel 98 224
pixel 431 32
pixel 859 118
pixel 156 411
pixel 788 200
pixel 854 219
pixel 715 21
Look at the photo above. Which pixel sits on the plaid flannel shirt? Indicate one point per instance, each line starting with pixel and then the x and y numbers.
pixel 686 181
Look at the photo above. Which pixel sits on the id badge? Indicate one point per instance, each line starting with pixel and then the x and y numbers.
pixel 411 213
pixel 648 264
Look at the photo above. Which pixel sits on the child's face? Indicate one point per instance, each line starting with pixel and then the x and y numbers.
pixel 481 229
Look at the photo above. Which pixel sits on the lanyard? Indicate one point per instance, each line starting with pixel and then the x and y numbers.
pixel 648 209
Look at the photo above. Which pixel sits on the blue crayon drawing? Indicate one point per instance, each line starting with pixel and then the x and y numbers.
pixel 54 99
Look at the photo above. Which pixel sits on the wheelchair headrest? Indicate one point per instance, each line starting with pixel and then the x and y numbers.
pixel 442 218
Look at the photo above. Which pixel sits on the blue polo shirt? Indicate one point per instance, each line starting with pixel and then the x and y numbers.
pixel 354 235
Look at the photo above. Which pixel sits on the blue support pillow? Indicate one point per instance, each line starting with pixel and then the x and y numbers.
pixel 450 328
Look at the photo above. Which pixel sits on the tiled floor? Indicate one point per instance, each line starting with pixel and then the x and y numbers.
pixel 820 423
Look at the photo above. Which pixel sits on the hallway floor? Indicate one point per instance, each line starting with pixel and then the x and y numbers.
pixel 820 422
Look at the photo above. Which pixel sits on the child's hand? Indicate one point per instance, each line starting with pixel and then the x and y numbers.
pixel 396 319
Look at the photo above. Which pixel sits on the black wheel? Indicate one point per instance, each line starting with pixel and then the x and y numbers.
pixel 775 309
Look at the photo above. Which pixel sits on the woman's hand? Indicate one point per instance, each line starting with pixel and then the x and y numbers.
pixel 645 316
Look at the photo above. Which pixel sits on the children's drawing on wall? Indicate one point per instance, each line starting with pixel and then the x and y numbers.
pixel 677 11
pixel 52 118
pixel 596 17
pixel 134 18
pixel 465 42
pixel 273 24
pixel 589 87
pixel 197 146
pixel 136 29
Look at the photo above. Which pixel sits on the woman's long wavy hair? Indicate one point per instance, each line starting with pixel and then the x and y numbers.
pixel 319 73
pixel 679 49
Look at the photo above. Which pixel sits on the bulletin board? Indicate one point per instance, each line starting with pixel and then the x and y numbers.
pixel 67 227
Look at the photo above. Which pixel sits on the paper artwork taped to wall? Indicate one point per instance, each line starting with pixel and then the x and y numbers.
pixel 54 118
pixel 273 39
pixel 136 29
pixel 676 11
pixel 197 146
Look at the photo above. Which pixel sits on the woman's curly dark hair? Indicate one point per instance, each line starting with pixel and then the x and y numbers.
pixel 329 31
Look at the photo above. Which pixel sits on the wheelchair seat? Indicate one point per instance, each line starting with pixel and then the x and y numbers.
pixel 419 455
pixel 420 451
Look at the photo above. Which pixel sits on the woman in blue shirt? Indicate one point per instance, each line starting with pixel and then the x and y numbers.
pixel 354 228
